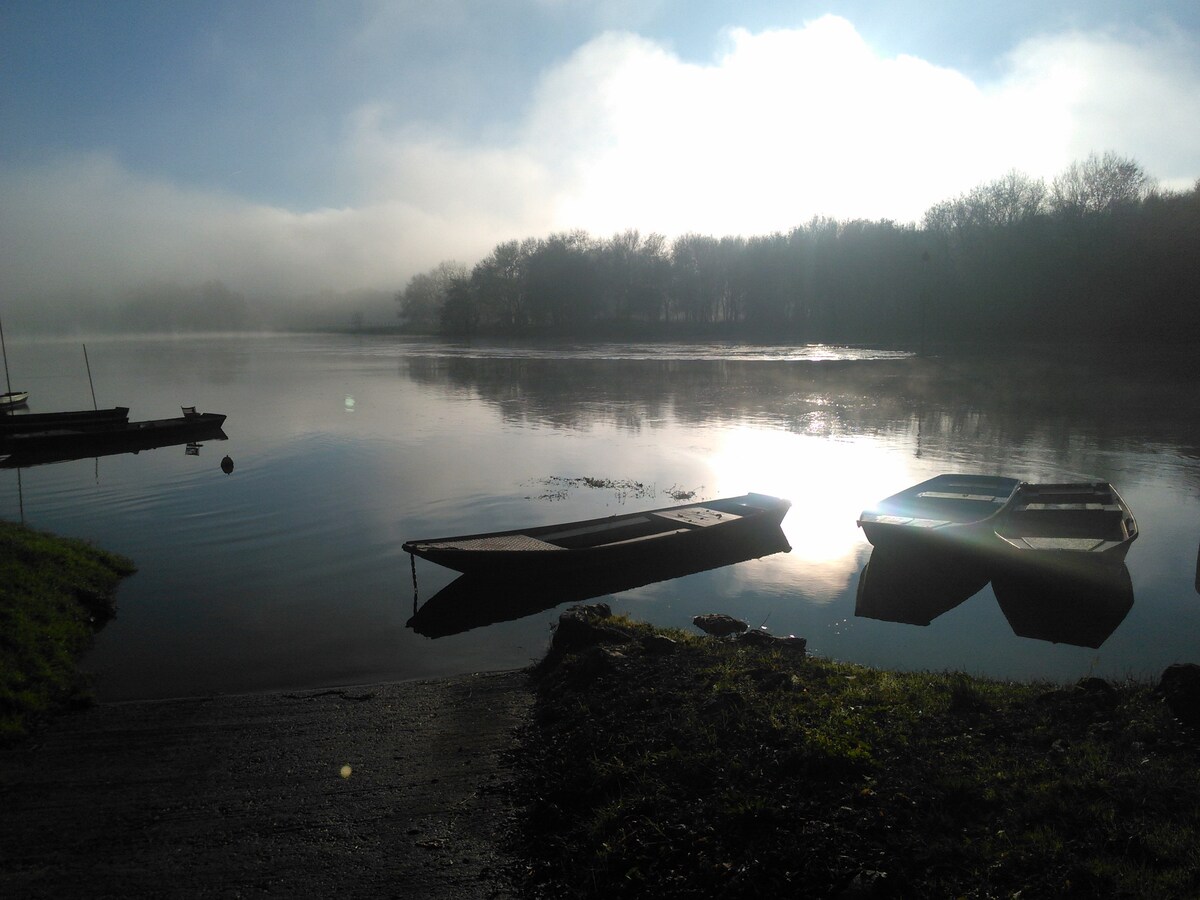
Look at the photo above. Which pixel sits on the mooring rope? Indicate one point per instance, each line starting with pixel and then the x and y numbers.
pixel 413 561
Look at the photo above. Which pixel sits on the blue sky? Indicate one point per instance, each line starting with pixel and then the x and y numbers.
pixel 291 147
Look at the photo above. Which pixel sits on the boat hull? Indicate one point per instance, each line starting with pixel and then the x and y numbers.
pixel 13 399
pixel 74 442
pixel 951 511
pixel 673 533
pixel 81 420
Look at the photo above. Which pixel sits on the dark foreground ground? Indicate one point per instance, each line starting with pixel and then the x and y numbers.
pixel 245 796
pixel 669 765
pixel 630 762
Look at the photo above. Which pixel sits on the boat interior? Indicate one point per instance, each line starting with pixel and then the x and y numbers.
pixel 1068 511
pixel 637 528
pixel 947 504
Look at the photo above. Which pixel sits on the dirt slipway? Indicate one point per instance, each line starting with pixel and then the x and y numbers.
pixel 246 796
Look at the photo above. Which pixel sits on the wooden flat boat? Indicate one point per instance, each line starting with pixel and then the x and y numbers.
pixel 690 530
pixel 1056 524
pixel 480 599
pixel 81 419
pixel 80 442
pixel 946 511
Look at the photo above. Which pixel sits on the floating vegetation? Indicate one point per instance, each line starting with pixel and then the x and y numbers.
pixel 558 487
pixel 675 492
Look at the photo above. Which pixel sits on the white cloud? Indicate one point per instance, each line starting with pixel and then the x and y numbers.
pixel 781 126
pixel 788 124
pixel 1138 95
pixel 784 126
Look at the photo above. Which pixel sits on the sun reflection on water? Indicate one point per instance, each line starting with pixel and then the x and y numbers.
pixel 829 481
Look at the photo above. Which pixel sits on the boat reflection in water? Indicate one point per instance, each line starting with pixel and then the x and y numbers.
pixel 85 446
pixel 1077 606
pixel 913 587
pixel 476 600
pixel 1065 608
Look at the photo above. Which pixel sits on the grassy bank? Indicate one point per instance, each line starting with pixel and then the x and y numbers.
pixel 701 767
pixel 54 594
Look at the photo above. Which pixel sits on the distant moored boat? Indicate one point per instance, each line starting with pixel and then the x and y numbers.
pixel 78 419
pixel 78 441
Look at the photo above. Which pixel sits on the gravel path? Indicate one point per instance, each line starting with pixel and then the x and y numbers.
pixel 245 796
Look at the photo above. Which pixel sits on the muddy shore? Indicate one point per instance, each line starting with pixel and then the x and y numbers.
pixel 382 790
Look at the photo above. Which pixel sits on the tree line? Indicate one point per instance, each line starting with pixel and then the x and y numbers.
pixel 1098 253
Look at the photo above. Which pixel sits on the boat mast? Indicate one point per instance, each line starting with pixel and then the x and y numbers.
pixel 3 348
pixel 91 384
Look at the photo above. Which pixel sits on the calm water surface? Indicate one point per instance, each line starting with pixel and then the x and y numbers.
pixel 288 572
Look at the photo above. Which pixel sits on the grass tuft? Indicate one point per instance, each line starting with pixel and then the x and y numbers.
pixel 54 594
pixel 725 770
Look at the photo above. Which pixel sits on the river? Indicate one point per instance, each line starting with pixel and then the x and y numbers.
pixel 287 573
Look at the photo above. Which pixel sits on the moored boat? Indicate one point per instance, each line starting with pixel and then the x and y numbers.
pixel 9 399
pixel 948 510
pixel 81 419
pixel 84 440
pixel 687 530
pixel 132 442
pixel 1067 524
pixel 482 598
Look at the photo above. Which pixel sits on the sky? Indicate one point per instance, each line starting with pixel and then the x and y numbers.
pixel 289 148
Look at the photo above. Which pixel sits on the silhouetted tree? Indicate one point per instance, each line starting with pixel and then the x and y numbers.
pixel 1098 255
pixel 459 312
pixel 499 280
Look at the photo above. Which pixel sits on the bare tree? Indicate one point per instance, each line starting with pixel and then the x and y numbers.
pixel 1012 198
pixel 422 299
pixel 1098 184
